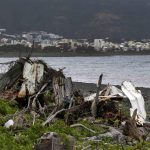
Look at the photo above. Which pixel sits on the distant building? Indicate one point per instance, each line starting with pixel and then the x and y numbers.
pixel 99 44
pixel 28 37
pixel 46 43
pixel 2 31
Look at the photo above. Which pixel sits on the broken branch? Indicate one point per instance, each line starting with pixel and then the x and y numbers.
pixel 34 100
pixel 52 117
pixel 81 125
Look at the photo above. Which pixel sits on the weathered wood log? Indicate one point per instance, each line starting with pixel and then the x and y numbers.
pixel 113 133
pixel 102 98
pixel 106 98
pixel 32 75
pixel 69 91
pixel 81 125
pixel 131 128
pixel 69 87
pixel 146 124
pixel 95 102
pixel 50 118
pixel 69 94
pixel 72 114
pixel 59 90
pixel 9 78
pixel 36 96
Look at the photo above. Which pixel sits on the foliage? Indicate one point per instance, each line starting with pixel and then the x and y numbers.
pixel 7 108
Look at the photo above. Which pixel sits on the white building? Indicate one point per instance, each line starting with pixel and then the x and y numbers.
pixel 99 44
pixel 28 37
pixel 46 43
pixel 14 42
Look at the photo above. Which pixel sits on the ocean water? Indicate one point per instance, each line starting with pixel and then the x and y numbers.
pixel 116 69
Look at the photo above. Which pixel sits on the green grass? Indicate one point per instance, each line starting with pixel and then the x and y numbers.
pixel 25 137
pixel 7 107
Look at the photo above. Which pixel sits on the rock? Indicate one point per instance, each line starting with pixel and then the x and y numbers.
pixel 52 141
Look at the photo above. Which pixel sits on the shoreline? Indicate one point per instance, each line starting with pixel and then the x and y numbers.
pixel 91 87
pixel 11 54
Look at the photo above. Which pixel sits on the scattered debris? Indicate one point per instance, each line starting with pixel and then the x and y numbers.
pixel 47 93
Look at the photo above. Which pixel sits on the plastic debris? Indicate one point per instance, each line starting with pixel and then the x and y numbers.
pixel 9 123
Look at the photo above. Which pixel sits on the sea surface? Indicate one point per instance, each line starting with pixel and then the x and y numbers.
pixel 115 69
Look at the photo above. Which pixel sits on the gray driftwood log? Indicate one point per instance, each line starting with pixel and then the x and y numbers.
pixel 96 101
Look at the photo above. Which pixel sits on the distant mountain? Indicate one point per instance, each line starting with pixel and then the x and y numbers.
pixel 78 18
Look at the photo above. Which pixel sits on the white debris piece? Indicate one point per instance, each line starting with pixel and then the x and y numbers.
pixel 90 98
pixel 9 123
pixel 114 91
pixel 136 100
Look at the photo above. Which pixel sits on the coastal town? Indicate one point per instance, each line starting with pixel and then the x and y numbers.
pixel 43 40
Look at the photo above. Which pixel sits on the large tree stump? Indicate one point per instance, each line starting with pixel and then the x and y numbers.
pixel 59 90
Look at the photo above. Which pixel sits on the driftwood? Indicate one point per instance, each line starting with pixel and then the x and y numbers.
pixel 68 87
pixel 59 90
pixel 107 110
pixel 131 129
pixel 68 105
pixel 107 98
pixel 95 102
pixel 69 91
pixel 146 124
pixel 69 94
pixel 36 96
pixel 8 79
pixel 50 118
pixel 113 133
pixel 79 111
pixel 81 125
pixel 103 98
